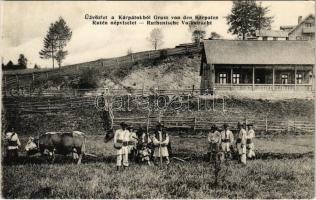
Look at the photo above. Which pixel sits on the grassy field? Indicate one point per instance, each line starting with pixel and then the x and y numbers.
pixel 284 169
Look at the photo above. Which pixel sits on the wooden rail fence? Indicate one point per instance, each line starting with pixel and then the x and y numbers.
pixel 16 77
pixel 196 123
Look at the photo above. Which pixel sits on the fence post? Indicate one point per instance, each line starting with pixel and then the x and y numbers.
pixel 194 127
pixel 46 75
pixel 266 124
pixel 117 62
pixel 132 57
pixel 148 55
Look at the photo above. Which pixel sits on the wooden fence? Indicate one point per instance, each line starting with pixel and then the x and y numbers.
pixel 197 123
pixel 27 77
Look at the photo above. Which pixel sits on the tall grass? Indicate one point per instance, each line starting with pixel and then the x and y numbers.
pixel 284 177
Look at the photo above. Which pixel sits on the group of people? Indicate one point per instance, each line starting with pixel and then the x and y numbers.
pixel 222 141
pixel 152 148
pixel 141 146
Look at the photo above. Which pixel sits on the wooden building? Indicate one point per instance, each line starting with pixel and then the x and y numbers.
pixel 257 65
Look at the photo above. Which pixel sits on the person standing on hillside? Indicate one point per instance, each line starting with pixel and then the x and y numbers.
pixel 249 140
pixel 161 141
pixel 227 139
pixel 121 139
pixel 241 143
pixel 12 143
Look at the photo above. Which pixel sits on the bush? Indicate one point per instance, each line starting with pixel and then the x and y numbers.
pixel 88 79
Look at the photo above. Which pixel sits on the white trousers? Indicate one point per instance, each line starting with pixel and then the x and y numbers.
pixel 120 158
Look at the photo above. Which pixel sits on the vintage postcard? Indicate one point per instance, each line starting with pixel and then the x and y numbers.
pixel 157 100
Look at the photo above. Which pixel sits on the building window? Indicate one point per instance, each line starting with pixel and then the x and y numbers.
pixel 265 38
pixel 284 78
pixel 299 78
pixel 236 78
pixel 308 24
pixel 223 78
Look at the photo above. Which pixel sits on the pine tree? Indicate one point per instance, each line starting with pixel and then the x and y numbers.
pixel 22 61
pixel 55 41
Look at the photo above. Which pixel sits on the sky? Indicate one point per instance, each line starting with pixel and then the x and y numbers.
pixel 25 24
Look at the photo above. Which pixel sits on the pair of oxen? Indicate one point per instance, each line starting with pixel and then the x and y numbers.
pixel 63 143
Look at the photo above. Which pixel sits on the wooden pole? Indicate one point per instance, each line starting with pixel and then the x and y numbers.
pixel 273 77
pixel 253 77
pixel 231 78
pixel 295 78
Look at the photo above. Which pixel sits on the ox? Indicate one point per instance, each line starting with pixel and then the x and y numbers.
pixel 63 143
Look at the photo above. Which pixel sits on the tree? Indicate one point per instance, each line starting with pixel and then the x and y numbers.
pixel 156 38
pixel 22 61
pixel 246 17
pixel 215 35
pixel 198 29
pixel 55 41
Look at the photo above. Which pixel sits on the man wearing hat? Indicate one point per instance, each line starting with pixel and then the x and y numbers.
pixel 227 139
pixel 161 141
pixel 241 143
pixel 250 135
pixel 214 140
pixel 121 139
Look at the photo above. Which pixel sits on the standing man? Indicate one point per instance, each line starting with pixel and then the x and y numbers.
pixel 214 140
pixel 13 143
pixel 227 139
pixel 121 139
pixel 161 141
pixel 241 143
pixel 249 140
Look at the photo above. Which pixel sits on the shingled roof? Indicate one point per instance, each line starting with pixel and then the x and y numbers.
pixel 259 52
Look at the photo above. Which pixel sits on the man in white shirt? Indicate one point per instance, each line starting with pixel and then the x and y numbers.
pixel 249 140
pixel 241 143
pixel 227 139
pixel 214 140
pixel 121 139
pixel 161 141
